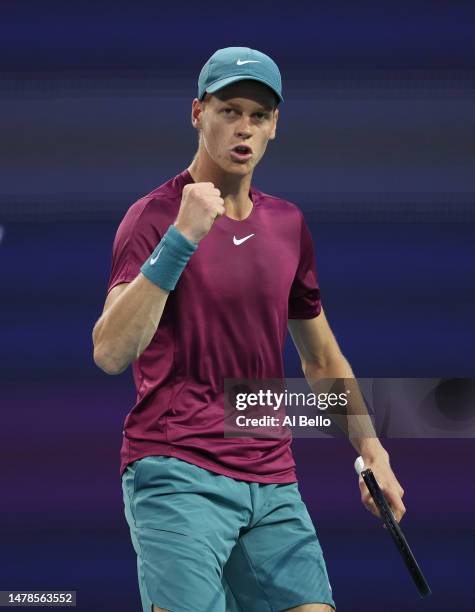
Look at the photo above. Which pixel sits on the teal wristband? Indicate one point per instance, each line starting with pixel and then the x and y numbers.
pixel 168 260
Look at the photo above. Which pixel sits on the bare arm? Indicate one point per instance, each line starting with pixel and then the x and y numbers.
pixel 132 311
pixel 322 358
pixel 131 315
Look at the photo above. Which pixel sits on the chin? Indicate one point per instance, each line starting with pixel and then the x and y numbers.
pixel 239 169
pixel 230 167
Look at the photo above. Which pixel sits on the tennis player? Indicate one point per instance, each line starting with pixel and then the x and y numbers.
pixel 207 273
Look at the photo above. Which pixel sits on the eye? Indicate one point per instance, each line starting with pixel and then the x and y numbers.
pixel 259 115
pixel 228 111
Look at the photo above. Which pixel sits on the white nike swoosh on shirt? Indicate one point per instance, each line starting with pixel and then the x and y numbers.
pixel 238 241
pixel 153 260
pixel 241 62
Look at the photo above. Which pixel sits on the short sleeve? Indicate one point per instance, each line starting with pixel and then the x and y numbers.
pixel 135 239
pixel 304 297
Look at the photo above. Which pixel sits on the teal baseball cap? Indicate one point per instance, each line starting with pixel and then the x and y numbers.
pixel 233 64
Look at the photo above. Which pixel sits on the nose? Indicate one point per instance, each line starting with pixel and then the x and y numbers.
pixel 243 127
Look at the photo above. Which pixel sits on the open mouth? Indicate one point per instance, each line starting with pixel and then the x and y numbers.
pixel 241 152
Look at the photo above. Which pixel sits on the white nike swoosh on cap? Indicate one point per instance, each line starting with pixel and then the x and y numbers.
pixel 153 260
pixel 238 241
pixel 241 62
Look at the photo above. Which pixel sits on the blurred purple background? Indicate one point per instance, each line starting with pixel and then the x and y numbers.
pixel 375 143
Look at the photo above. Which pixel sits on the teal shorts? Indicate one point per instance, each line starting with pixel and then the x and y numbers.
pixel 209 543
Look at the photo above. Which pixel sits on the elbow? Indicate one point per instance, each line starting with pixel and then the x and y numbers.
pixel 320 363
pixel 311 368
pixel 106 364
pixel 102 355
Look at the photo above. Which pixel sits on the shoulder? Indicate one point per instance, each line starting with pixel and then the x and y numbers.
pixel 278 204
pixel 155 208
pixel 281 211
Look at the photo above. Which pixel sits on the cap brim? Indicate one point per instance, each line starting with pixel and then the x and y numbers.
pixel 228 80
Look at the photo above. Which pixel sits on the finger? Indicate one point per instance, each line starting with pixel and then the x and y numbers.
pixel 370 505
pixel 400 512
pixel 396 505
pixel 366 498
pixel 396 487
pixel 220 210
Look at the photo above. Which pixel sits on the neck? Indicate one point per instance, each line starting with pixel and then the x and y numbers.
pixel 234 188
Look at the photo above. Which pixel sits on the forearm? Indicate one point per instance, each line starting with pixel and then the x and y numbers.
pixel 125 330
pixel 353 419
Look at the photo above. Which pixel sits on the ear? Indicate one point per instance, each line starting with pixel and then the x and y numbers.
pixel 196 110
pixel 274 127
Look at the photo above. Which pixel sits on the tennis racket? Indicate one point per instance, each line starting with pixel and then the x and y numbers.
pixel 393 528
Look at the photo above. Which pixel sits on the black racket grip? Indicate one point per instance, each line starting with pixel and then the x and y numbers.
pixel 396 533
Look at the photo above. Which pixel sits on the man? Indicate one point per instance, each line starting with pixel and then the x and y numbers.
pixel 207 272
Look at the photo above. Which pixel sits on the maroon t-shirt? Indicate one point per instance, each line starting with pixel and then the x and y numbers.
pixel 226 318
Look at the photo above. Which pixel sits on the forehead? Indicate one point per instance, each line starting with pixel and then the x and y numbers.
pixel 245 92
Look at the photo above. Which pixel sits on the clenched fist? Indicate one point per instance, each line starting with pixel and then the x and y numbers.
pixel 200 204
